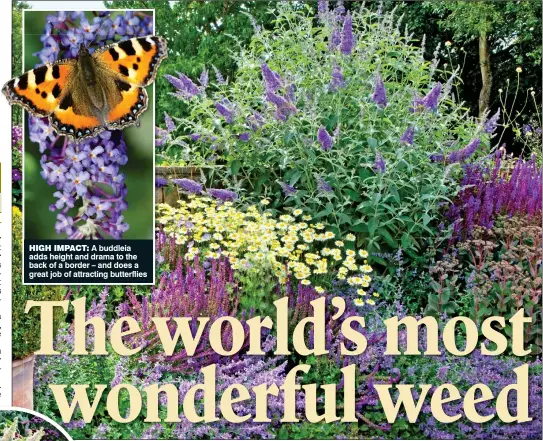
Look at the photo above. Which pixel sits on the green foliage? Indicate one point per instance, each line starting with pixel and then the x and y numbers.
pixel 26 327
pixel 386 210
pixel 17 50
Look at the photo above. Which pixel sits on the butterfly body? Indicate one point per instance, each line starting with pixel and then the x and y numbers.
pixel 93 92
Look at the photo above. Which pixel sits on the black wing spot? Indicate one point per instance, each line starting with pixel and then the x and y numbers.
pixel 39 74
pixel 44 95
pixel 37 90
pixel 123 86
pixel 145 44
pixel 56 71
pixel 56 90
pixel 127 47
pixel 114 54
pixel 23 81
pixel 66 102
pixel 138 59
pixel 123 70
pixel 135 66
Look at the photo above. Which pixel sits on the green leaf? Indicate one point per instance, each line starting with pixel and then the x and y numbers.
pixel 372 142
pixel 385 234
pixel 235 166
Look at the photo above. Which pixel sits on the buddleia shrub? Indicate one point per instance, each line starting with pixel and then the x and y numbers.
pixel 337 114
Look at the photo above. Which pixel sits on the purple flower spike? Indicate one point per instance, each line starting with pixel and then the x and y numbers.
pixel 322 8
pixel 288 190
pixel 222 194
pixel 271 78
pixel 189 185
pixel 160 182
pixel 226 112
pixel 337 81
pixel 463 154
pixel 186 88
pixel 430 101
pixel 408 135
pixel 492 124
pixel 170 125
pixel 323 186
pixel 204 78
pixel 379 93
pixel 244 136
pixel 347 38
pixel 379 166
pixel 219 77
pixel 325 140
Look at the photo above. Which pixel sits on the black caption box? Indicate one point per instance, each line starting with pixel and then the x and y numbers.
pixel 96 262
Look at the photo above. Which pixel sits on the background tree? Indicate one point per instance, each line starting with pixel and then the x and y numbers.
pixel 497 38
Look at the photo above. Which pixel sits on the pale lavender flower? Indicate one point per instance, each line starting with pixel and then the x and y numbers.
pixel 337 80
pixel 204 78
pixel 244 136
pixel 492 123
pixel 218 77
pixel 323 186
pixel 379 94
pixel 325 140
pixel 335 39
pixel 288 190
pixel 64 224
pixel 322 8
pixel 225 111
pixel 379 165
pixel 170 125
pixel 186 88
pixel 407 137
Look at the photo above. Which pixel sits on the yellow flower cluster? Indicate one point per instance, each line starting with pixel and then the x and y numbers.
pixel 288 245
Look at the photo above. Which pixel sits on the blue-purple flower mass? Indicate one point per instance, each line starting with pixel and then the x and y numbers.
pixel 379 92
pixel 325 140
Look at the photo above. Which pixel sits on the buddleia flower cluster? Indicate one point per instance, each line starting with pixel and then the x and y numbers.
pixel 86 175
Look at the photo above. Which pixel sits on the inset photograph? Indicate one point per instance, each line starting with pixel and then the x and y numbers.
pixel 25 425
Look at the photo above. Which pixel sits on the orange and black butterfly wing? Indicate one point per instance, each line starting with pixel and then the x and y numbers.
pixel 135 63
pixel 135 60
pixel 41 89
pixel 68 119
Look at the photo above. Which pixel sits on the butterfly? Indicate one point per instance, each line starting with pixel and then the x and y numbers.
pixel 85 95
